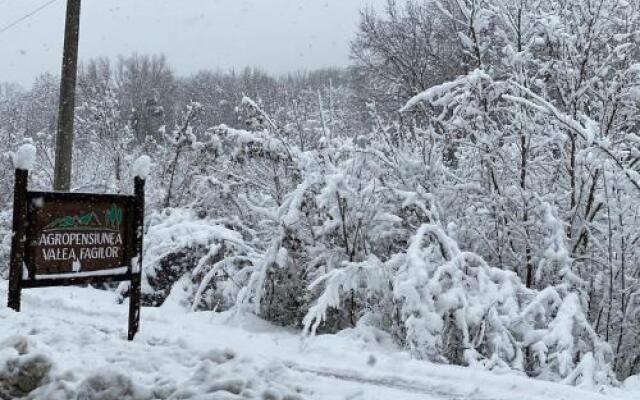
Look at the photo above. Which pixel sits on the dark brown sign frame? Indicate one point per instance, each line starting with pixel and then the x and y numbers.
pixel 23 266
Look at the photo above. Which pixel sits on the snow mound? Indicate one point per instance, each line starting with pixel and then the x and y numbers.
pixel 21 370
pixel 233 379
pixel 111 385
pixel 215 374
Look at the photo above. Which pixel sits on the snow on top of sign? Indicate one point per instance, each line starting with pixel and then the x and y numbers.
pixel 77 273
pixel 142 167
pixel 25 157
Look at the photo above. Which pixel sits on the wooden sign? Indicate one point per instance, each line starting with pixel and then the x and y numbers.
pixel 67 234
pixel 76 238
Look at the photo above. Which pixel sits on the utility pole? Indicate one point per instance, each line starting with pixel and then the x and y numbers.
pixel 64 136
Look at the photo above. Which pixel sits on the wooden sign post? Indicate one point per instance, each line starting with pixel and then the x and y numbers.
pixel 62 239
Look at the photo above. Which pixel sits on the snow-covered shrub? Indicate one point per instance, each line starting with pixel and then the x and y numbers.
pixel 562 342
pixel 305 213
pixel 554 325
pixel 365 280
pixel 454 305
pixel 455 308
pixel 274 285
pixel 180 243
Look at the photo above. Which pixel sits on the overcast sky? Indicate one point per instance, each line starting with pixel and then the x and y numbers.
pixel 277 35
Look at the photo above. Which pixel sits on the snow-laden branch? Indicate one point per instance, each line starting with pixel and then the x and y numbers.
pixel 587 133
pixel 441 95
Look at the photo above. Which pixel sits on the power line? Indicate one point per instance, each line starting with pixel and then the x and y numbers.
pixel 29 15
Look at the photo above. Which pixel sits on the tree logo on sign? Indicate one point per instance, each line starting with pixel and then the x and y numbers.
pixel 113 217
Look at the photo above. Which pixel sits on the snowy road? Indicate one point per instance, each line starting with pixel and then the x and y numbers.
pixel 78 336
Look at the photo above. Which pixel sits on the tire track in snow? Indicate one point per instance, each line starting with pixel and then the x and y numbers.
pixel 389 381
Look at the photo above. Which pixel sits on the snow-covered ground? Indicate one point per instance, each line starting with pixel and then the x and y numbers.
pixel 70 343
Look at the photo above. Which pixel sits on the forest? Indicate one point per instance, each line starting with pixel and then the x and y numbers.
pixel 469 185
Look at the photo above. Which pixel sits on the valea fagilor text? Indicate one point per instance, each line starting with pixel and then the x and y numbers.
pixel 78 246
